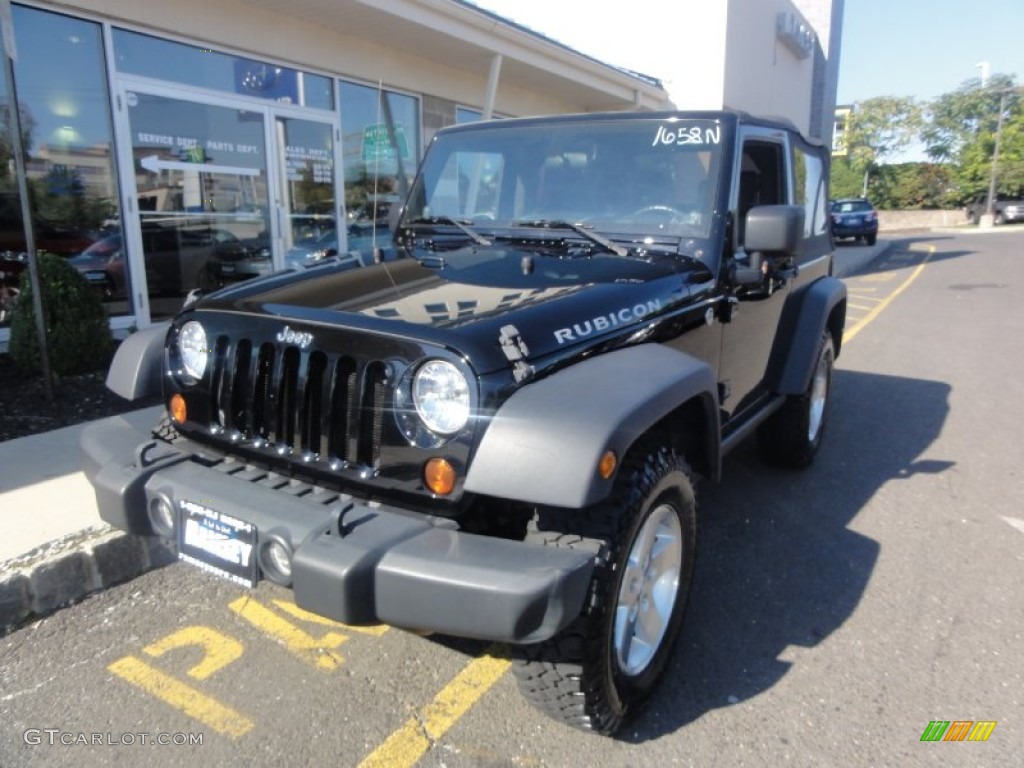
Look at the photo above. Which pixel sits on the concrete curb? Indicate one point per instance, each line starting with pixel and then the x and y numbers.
pixel 67 570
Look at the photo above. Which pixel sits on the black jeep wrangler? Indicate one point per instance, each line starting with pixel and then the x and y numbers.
pixel 497 434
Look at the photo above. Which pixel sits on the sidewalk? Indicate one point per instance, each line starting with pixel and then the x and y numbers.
pixel 55 550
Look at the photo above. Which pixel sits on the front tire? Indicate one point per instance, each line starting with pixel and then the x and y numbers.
pixel 602 667
pixel 792 435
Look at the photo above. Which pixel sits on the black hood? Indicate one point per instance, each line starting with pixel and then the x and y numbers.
pixel 463 298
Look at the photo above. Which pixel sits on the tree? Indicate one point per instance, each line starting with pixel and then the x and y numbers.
pixel 962 127
pixel 879 129
pixel 844 181
pixel 913 186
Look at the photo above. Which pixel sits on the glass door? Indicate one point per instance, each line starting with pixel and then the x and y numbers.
pixel 202 194
pixel 220 190
pixel 307 207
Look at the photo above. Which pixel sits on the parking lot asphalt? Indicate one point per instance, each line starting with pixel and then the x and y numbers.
pixel 55 550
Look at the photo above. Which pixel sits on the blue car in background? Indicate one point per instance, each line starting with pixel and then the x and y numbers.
pixel 854 217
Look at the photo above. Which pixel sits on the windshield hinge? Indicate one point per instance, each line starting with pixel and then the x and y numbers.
pixel 516 352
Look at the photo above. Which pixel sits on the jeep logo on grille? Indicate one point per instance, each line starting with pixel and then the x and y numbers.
pixel 299 338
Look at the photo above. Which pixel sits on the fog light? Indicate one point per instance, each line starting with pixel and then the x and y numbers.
pixel 161 516
pixel 276 561
pixel 606 466
pixel 178 410
pixel 439 476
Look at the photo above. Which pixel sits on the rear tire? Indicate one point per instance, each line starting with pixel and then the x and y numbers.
pixel 604 665
pixel 872 239
pixel 792 435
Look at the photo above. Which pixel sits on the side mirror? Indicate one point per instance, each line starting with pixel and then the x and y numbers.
pixel 774 229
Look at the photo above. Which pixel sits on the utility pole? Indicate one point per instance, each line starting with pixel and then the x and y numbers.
pixel 991 208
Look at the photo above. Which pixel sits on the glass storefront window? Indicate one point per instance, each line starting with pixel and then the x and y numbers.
pixel 469 115
pixel 68 141
pixel 380 145
pixel 148 56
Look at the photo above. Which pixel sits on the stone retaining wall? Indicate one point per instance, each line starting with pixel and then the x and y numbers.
pixel 889 221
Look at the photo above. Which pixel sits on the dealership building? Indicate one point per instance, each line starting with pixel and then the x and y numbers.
pixel 186 144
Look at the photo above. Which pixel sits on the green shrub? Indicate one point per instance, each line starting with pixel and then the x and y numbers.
pixel 76 326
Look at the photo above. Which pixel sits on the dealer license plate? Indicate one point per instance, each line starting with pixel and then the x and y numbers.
pixel 217 542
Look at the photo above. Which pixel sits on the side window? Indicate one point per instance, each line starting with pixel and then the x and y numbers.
pixel 809 180
pixel 762 180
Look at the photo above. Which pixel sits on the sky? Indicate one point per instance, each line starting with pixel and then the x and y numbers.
pixel 917 48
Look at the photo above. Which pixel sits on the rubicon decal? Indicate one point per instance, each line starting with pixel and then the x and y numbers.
pixel 958 730
pixel 623 316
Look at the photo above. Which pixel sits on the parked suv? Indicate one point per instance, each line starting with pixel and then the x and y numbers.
pixel 855 217
pixel 1008 208
pixel 497 435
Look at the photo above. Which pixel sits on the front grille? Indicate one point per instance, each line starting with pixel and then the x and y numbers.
pixel 307 405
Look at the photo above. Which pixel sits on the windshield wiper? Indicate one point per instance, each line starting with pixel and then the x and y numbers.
pixel 462 226
pixel 579 229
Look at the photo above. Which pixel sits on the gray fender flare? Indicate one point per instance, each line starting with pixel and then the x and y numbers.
pixel 816 307
pixel 137 367
pixel 544 443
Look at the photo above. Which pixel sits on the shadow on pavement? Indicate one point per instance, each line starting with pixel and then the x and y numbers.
pixel 777 564
pixel 892 259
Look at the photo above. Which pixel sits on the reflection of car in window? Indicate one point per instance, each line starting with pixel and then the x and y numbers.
pixel 102 264
pixel 312 250
pixel 174 259
pixel 239 260
pixel 377 208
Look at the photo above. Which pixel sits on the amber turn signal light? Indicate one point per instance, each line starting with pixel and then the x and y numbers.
pixel 178 410
pixel 606 466
pixel 439 475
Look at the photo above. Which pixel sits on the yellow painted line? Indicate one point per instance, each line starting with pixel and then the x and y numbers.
pixel 859 325
pixel 858 306
pixel 220 650
pixel 183 697
pixel 314 618
pixel 856 295
pixel 318 651
pixel 408 744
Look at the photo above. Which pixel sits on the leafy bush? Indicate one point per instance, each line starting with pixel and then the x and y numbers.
pixel 76 326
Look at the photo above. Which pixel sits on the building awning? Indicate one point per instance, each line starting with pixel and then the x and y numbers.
pixel 460 35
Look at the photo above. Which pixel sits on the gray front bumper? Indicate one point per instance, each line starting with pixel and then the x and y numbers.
pixel 352 562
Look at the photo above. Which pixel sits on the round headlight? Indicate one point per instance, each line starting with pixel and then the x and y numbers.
pixel 194 350
pixel 441 395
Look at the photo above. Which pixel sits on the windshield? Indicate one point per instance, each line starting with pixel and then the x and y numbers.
pixel 654 177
